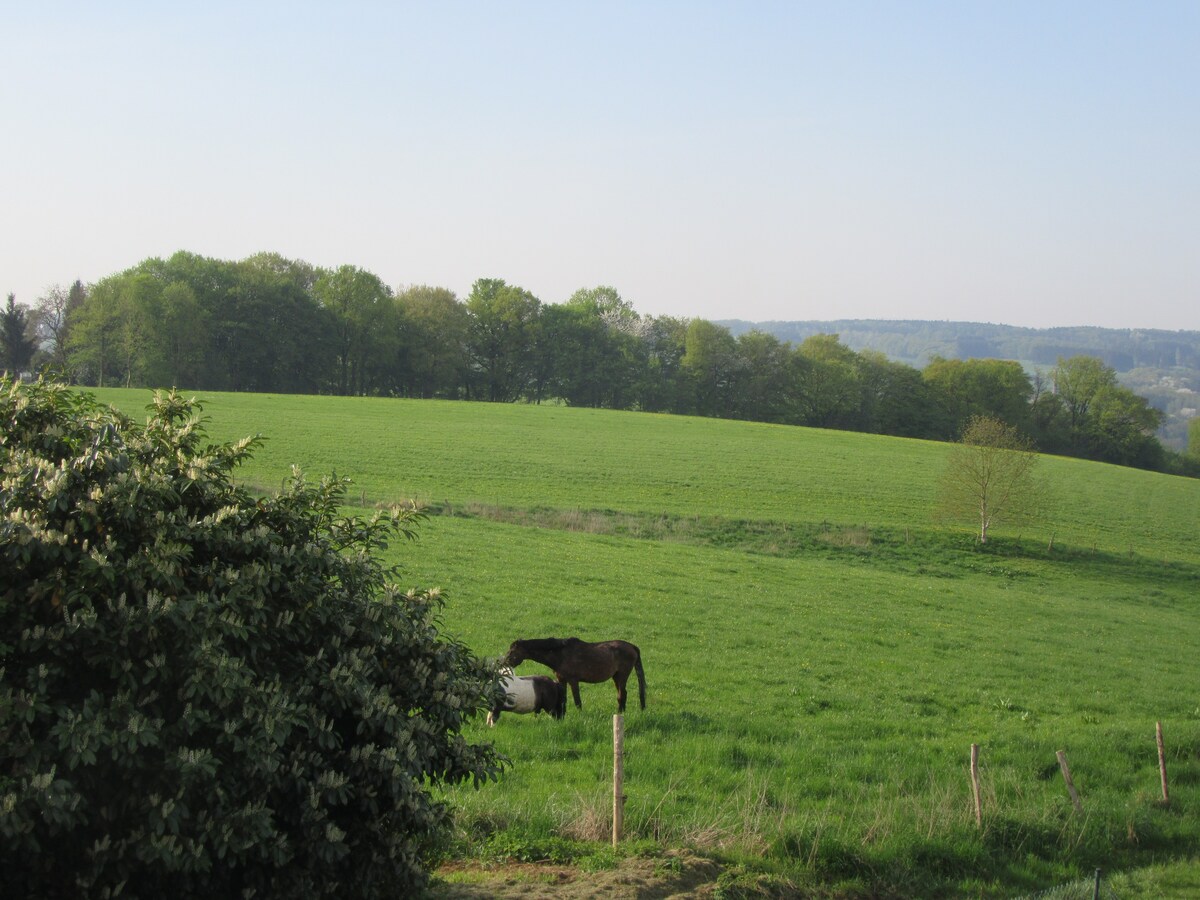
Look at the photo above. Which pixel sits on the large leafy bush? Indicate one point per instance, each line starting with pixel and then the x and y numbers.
pixel 203 693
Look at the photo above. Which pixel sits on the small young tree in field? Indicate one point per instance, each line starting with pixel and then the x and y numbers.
pixel 989 476
pixel 205 693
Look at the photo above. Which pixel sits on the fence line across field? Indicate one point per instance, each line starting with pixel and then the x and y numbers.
pixel 1061 755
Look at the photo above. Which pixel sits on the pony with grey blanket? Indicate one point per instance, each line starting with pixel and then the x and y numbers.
pixel 530 694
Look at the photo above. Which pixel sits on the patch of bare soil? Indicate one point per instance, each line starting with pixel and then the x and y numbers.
pixel 673 875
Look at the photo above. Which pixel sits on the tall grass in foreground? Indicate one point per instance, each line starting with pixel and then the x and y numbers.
pixel 819 713
pixel 819 656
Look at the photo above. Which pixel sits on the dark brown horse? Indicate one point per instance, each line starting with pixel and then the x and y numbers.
pixel 574 661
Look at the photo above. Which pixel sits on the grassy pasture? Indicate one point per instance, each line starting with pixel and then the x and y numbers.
pixel 819 655
pixel 548 456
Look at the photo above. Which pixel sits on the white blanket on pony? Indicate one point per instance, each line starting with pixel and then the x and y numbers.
pixel 519 695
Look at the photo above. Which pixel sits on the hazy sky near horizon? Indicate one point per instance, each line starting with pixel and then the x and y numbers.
pixel 1024 163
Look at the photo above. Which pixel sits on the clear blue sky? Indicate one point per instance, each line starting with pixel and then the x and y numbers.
pixel 1025 163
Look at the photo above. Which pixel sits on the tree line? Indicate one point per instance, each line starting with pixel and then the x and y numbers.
pixel 271 324
pixel 917 341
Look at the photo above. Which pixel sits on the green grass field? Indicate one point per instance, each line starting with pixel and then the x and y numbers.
pixel 820 655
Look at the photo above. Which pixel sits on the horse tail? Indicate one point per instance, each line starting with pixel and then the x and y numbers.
pixel 637 666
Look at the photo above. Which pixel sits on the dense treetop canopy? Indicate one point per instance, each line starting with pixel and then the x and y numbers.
pixel 267 323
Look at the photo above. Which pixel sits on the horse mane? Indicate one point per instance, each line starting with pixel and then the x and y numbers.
pixel 546 643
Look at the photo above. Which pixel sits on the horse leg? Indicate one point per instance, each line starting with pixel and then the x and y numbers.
pixel 544 697
pixel 493 715
pixel 575 694
pixel 619 680
pixel 560 702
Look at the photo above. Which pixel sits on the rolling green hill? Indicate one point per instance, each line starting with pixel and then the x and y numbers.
pixel 526 456
pixel 820 655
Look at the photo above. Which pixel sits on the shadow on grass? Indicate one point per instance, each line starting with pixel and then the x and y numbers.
pixel 1010 856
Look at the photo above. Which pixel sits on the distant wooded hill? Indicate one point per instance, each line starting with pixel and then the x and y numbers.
pixel 1162 366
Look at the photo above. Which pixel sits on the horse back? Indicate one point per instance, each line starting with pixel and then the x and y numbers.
pixel 597 661
pixel 622 650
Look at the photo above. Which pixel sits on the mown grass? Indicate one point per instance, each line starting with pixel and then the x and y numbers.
pixel 820 656
pixel 561 458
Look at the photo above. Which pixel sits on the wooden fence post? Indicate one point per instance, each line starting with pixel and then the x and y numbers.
pixel 618 777
pixel 975 785
pixel 1162 762
pixel 1066 772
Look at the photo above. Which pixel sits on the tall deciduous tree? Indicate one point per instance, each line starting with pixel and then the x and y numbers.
pixel 664 343
pixel 117 336
pixel 221 349
pixel 183 335
pixel 769 387
pixel 593 343
pixel 1106 421
pixel 437 325
pixel 1077 381
pixel 139 338
pixel 273 335
pixel 831 390
pixel 1121 427
pixel 51 318
pixel 93 337
pixel 964 388
pixel 711 363
pixel 895 398
pixel 989 477
pixel 362 309
pixel 504 320
pixel 1046 414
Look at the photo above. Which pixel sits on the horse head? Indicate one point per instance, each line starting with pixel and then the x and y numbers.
pixel 516 654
